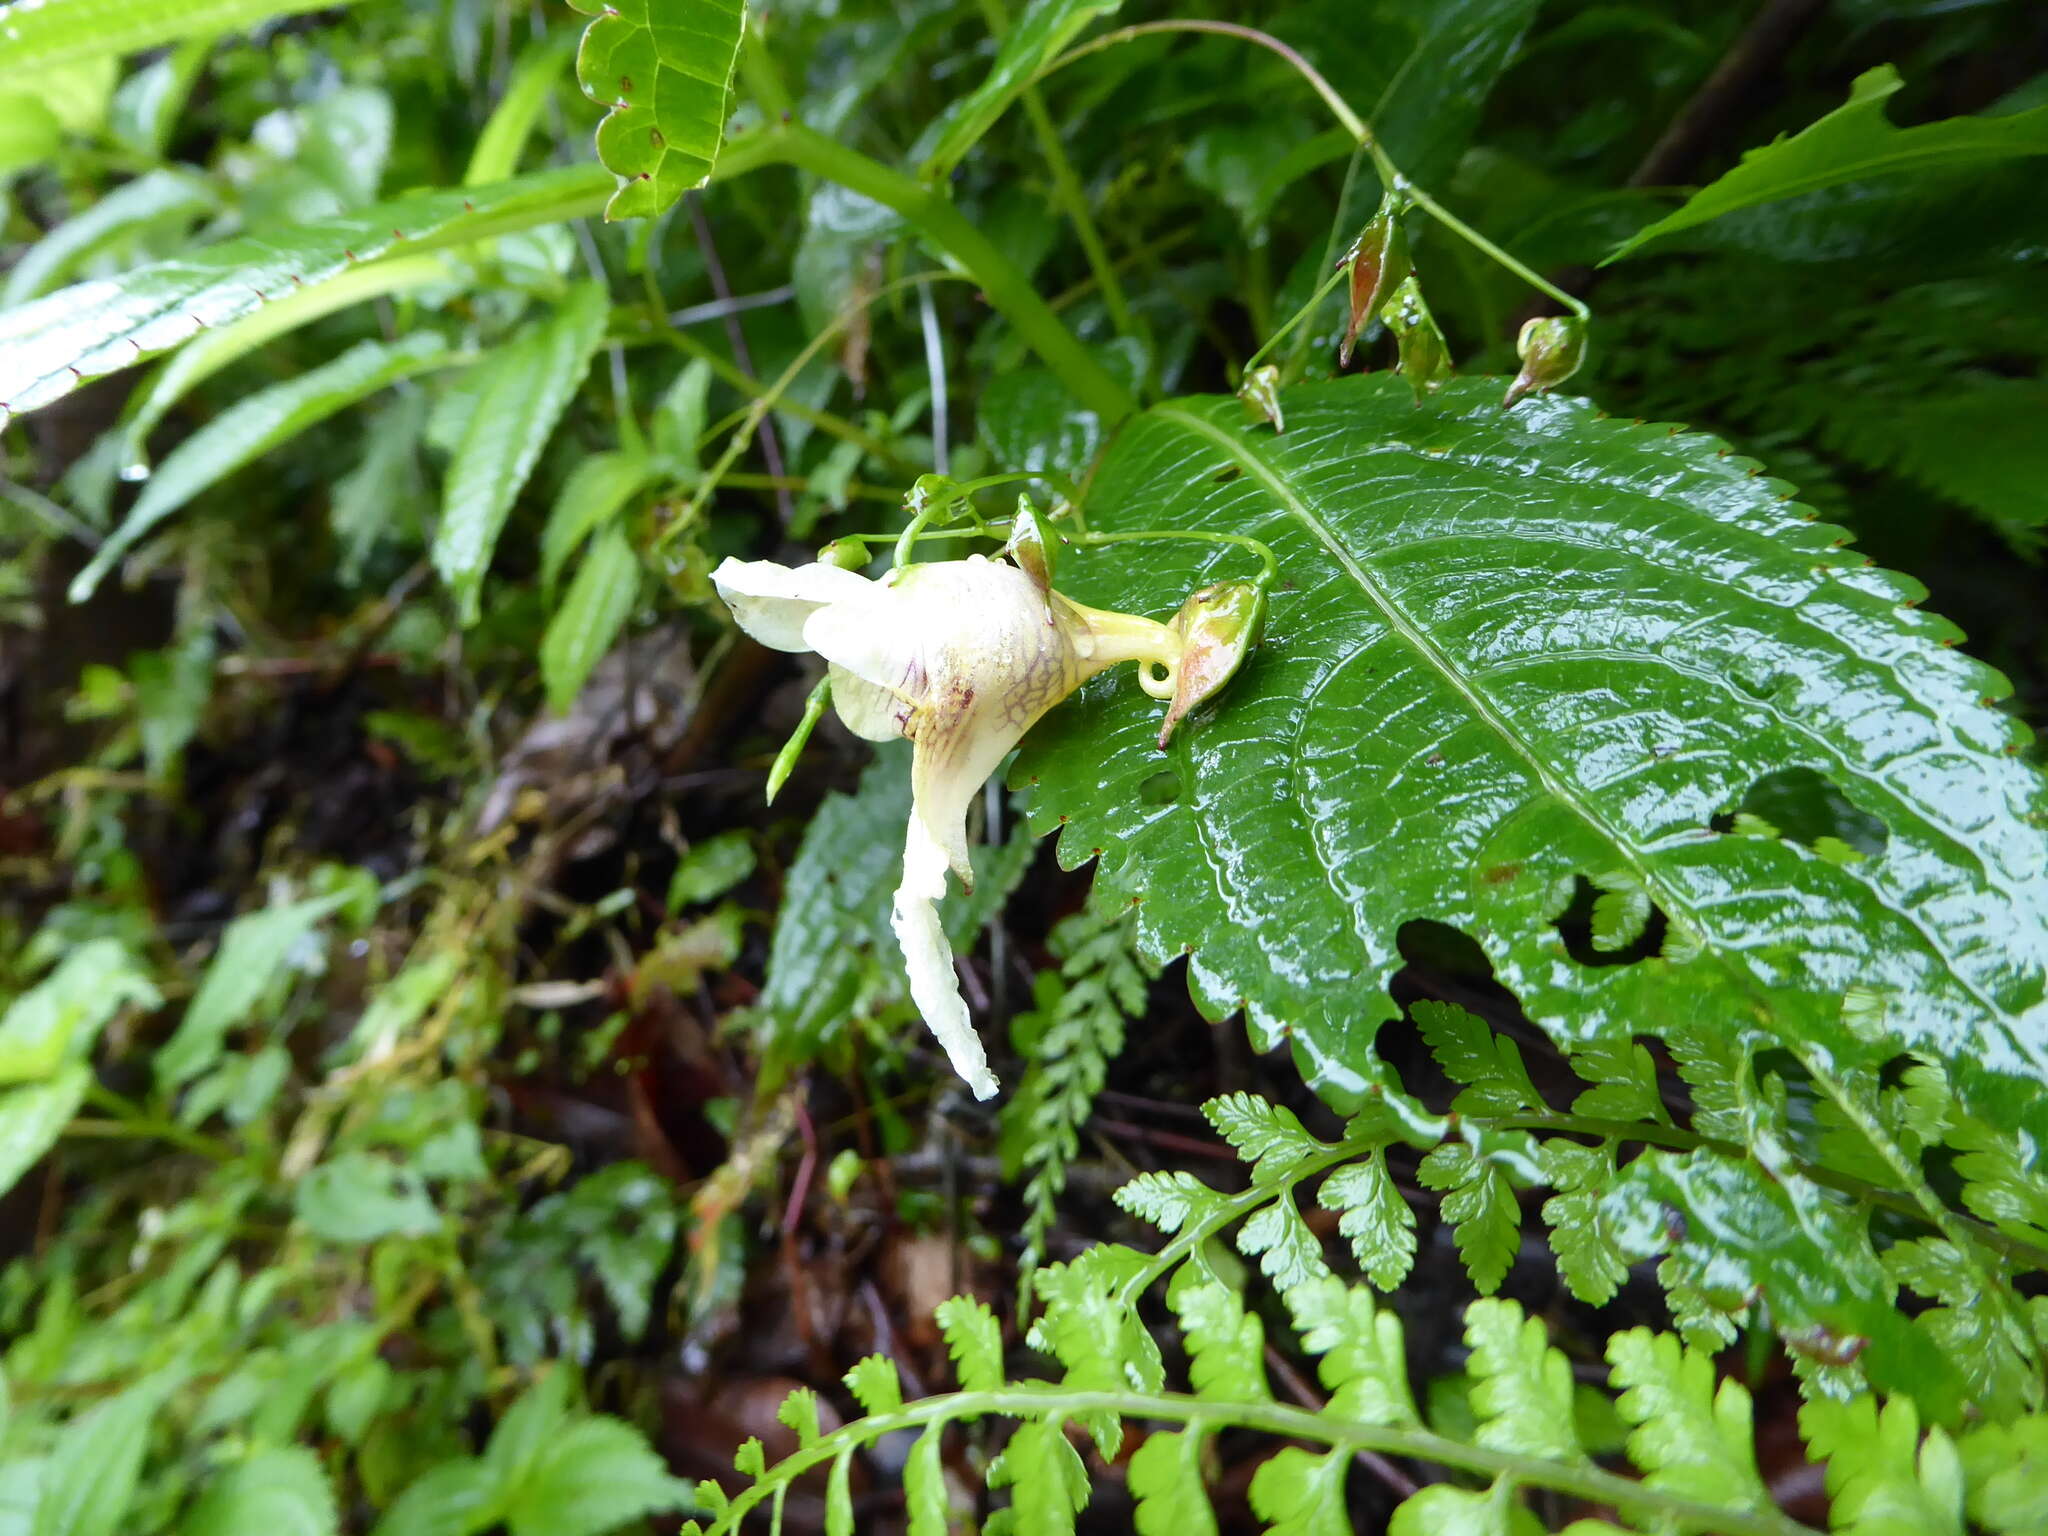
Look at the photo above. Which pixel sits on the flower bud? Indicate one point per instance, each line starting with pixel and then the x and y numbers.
pixel 1033 545
pixel 847 554
pixel 1378 260
pixel 1425 356
pixel 1260 392
pixel 1552 348
pixel 1218 626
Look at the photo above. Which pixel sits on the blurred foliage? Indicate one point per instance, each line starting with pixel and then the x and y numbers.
pixel 437 1097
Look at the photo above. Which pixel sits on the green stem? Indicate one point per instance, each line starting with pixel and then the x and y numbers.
pixel 1352 123
pixel 1009 290
pixel 1339 107
pixel 1067 190
pixel 1580 1480
pixel 1295 319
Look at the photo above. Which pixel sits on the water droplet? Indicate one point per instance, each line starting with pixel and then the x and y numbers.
pixel 135 471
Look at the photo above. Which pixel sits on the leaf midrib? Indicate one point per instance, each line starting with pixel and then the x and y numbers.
pixel 1564 794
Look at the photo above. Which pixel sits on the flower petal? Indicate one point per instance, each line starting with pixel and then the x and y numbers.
pixel 771 602
pixel 929 958
pixel 871 713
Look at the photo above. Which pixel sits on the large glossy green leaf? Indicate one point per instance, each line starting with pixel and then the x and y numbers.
pixel 38 34
pixel 521 393
pixel 1034 42
pixel 664 68
pixel 1855 142
pixel 1514 651
pixel 51 345
pixel 252 427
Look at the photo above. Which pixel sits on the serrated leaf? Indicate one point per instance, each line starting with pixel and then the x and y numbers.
pixel 1363 1364
pixel 1225 1343
pixel 1298 1494
pixel 1269 1136
pixel 1165 1477
pixel 1047 1479
pixel 39 35
pixel 1620 911
pixel 664 69
pixel 49 346
pixel 455 1498
pixel 1624 1079
pixel 1855 142
pixel 91 1474
pixel 1490 1065
pixel 1480 1204
pixel 799 1411
pixel 1037 38
pixel 924 1485
pixel 1411 671
pixel 1692 1437
pixel 280 1491
pixel 973 1340
pixel 1288 1253
pixel 1376 1219
pixel 595 608
pixel 1588 1257
pixel 2007 1467
pixel 1737 1232
pixel 1170 1200
pixel 1441 1510
pixel 592 1476
pixel 1883 1478
pixel 1521 1387
pixel 254 426
pixel 521 391
pixel 875 1385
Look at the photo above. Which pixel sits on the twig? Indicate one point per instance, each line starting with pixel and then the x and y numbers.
pixel 719 309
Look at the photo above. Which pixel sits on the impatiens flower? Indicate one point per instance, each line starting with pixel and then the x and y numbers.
pixel 961 657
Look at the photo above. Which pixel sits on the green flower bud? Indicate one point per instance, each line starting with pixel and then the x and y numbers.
pixel 1551 348
pixel 1218 626
pixel 1260 392
pixel 1378 260
pixel 1033 546
pixel 1425 355
pixel 847 554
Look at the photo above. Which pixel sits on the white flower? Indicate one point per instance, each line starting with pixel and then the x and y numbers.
pixel 962 657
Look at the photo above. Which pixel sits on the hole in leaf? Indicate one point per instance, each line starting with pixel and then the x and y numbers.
pixel 1805 807
pixel 1611 920
pixel 1163 788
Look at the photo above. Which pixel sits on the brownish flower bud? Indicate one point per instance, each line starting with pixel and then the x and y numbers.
pixel 1218 626
pixel 1379 261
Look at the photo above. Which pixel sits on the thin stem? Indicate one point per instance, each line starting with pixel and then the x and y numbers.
pixel 1332 241
pixel 1027 1401
pixel 1352 123
pixel 1271 565
pixel 736 338
pixel 1295 319
pixel 935 376
pixel 1339 107
pixel 753 388
pixel 1068 193
pixel 1472 237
